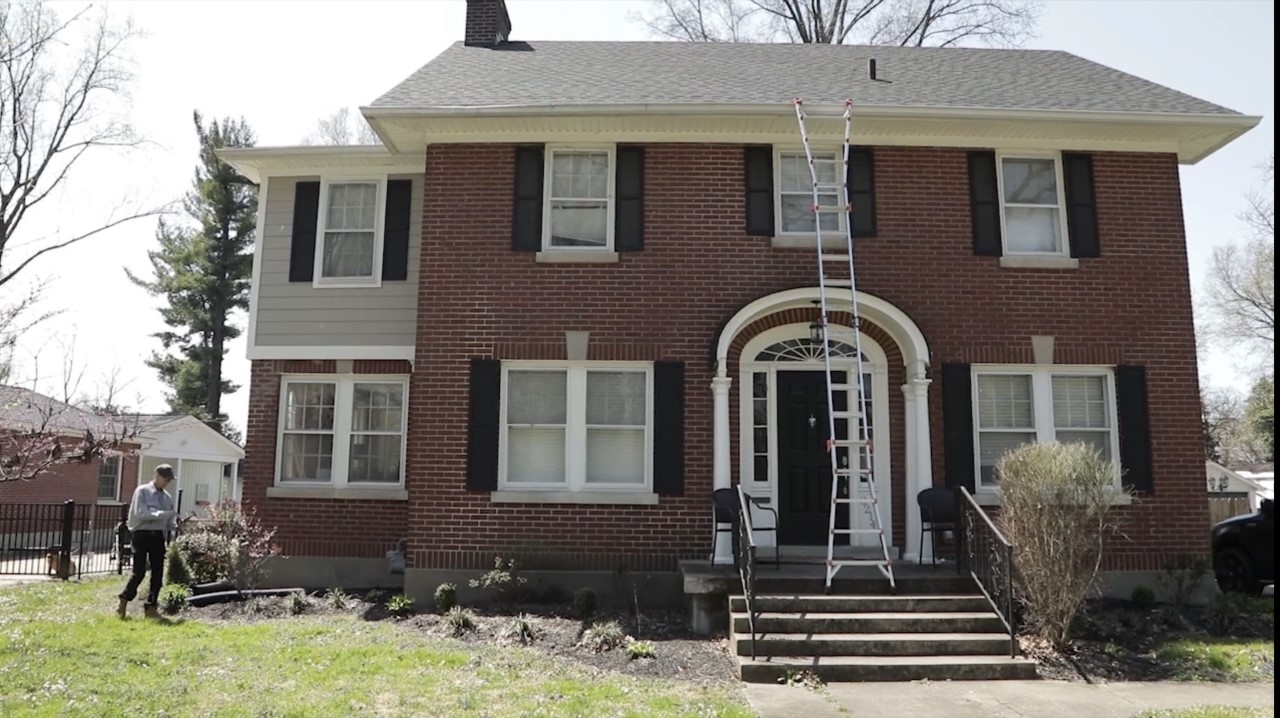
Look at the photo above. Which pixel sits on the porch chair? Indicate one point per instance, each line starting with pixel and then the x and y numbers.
pixel 937 513
pixel 726 508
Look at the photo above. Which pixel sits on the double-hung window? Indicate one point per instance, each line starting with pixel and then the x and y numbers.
pixel 340 432
pixel 576 427
pixel 349 245
pixel 579 201
pixel 795 192
pixel 109 478
pixel 1014 406
pixel 1031 205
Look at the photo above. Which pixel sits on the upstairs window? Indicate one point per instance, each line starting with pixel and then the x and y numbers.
pixel 1032 204
pixel 349 246
pixel 795 192
pixel 578 199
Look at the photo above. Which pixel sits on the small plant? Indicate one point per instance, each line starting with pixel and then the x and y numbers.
pixel 337 598
pixel 375 596
pixel 603 636
pixel 400 605
pixel 446 597
pixel 521 630
pixel 254 544
pixel 1143 597
pixel 805 679
pixel 1181 577
pixel 173 598
pixel 503 580
pixel 299 603
pixel 641 649
pixel 584 603
pixel 460 620
pixel 201 557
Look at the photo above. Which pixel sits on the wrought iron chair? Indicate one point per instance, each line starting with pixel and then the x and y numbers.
pixel 937 513
pixel 726 508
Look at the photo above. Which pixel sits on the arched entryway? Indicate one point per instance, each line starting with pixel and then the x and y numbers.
pixel 783 349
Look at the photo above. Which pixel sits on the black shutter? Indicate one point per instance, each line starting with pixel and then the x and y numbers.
pixel 984 203
pixel 1082 211
pixel 668 428
pixel 957 425
pixel 395 231
pixel 758 162
pixel 526 217
pixel 862 191
pixel 482 424
pixel 628 233
pixel 302 251
pixel 1135 427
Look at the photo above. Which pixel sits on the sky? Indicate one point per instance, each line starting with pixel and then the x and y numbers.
pixel 282 64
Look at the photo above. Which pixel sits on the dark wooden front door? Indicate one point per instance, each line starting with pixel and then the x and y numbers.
pixel 804 469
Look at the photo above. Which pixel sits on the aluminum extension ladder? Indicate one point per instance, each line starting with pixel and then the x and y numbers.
pixel 855 471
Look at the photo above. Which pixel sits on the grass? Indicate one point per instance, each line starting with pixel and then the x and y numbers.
pixel 1235 659
pixel 64 653
pixel 1207 712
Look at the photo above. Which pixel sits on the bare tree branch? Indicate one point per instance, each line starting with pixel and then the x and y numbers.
pixel 61 86
pixel 339 129
pixel 914 23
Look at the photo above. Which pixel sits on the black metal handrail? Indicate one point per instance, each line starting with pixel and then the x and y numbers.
pixel 744 558
pixel 986 555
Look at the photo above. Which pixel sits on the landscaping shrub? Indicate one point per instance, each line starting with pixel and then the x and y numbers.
pixel 603 636
pixel 337 597
pixel 254 544
pixel 375 596
pixel 173 598
pixel 503 581
pixel 641 649
pixel 584 602
pixel 201 557
pixel 1056 502
pixel 1143 597
pixel 400 605
pixel 460 620
pixel 521 630
pixel 299 603
pixel 446 597
pixel 1181 577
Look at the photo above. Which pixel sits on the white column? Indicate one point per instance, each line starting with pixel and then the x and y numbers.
pixel 235 482
pixel 722 471
pixel 919 461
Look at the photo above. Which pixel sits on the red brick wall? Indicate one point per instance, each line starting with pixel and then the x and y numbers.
pixel 72 481
pixel 479 298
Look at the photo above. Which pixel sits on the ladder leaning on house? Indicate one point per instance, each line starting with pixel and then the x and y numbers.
pixel 854 472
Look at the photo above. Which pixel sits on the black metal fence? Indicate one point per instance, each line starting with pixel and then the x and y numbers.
pixel 63 540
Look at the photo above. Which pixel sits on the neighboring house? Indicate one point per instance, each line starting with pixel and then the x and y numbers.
pixel 1222 480
pixel 205 462
pixel 571 296
pixel 1262 475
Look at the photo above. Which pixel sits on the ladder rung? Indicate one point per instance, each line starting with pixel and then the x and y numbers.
pixel 847 532
pixel 829 185
pixel 844 387
pixel 855 501
pixel 849 442
pixel 842 283
pixel 847 415
pixel 858 562
pixel 835 257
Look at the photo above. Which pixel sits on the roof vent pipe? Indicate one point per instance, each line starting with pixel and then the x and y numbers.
pixel 871 69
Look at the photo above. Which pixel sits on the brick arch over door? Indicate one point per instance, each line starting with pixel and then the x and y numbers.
pixel 897 413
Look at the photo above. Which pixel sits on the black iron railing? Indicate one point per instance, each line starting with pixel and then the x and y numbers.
pixel 986 555
pixel 744 559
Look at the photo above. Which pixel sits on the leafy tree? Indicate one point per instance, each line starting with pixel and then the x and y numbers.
pixel 1260 416
pixel 202 270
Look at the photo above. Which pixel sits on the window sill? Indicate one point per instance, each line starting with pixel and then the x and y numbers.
pixel 834 241
pixel 992 498
pixel 347 283
pixel 1022 262
pixel 629 498
pixel 553 256
pixel 345 494
pixel 109 502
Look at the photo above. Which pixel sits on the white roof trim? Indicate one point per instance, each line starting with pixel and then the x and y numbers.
pixel 255 163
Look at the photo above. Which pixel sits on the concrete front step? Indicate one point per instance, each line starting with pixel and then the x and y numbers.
pixel 890 668
pixel 873 644
pixel 895 622
pixel 819 603
pixel 847 585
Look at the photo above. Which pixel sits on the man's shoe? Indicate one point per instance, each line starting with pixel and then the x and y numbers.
pixel 122 608
pixel 151 611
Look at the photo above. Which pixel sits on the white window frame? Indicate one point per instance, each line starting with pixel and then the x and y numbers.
pixel 119 464
pixel 1064 249
pixel 779 231
pixel 380 211
pixel 610 196
pixel 1042 408
pixel 344 393
pixel 576 427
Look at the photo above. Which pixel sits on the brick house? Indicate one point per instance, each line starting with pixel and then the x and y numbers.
pixel 571 296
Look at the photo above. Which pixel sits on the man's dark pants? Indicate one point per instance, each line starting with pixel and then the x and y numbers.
pixel 148 551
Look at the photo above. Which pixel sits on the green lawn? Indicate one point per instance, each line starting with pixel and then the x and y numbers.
pixel 1208 712
pixel 1235 659
pixel 64 653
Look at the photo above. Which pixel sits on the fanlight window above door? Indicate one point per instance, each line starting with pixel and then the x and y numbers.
pixel 805 349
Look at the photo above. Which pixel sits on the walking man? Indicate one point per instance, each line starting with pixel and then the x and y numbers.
pixel 151 517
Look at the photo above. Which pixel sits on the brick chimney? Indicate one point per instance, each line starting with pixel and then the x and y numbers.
pixel 487 23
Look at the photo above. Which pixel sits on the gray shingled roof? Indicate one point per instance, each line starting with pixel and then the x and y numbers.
pixel 623 73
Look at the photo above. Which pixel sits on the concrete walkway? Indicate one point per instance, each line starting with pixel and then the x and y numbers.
pixel 999 699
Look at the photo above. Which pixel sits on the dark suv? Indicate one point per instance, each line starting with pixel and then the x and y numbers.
pixel 1244 551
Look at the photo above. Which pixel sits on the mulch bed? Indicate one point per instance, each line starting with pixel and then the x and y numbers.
pixel 1116 641
pixel 679 653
